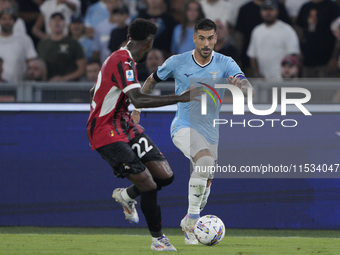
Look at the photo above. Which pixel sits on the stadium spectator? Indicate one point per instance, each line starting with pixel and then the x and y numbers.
pixel 63 56
pixel 29 12
pixel 224 44
pixel 37 70
pixel 100 49
pixel 1 70
pixel 317 41
pixel 98 12
pixel 335 27
pixel 218 10
pixel 66 7
pixel 236 5
pixel 92 70
pixel 182 34
pixel 154 59
pixel 290 67
pixel 119 34
pixel 156 12
pixel 270 42
pixel 15 49
pixel 293 7
pixel 19 25
pixel 77 32
pixel 248 18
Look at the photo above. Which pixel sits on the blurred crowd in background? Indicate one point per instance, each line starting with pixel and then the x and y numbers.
pixel 68 40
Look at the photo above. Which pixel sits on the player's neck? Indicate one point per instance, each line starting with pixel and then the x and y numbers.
pixel 201 60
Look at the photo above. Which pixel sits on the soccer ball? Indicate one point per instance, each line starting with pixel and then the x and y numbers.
pixel 209 230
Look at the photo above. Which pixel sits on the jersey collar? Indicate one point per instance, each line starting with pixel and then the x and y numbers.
pixel 124 48
pixel 211 58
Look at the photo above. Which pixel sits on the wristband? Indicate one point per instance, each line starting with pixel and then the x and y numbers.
pixel 138 109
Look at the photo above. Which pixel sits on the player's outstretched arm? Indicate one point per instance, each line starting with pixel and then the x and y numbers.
pixel 243 84
pixel 149 85
pixel 141 100
pixel 147 88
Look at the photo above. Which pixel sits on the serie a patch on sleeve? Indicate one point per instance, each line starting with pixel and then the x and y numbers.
pixel 129 75
pixel 240 76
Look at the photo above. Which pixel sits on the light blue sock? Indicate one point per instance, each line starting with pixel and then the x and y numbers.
pixel 193 216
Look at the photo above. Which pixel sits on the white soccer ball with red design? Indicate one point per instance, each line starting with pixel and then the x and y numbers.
pixel 209 230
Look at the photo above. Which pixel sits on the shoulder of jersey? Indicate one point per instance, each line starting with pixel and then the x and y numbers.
pixel 179 58
pixel 221 57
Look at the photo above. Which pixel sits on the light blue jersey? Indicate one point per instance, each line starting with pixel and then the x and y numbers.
pixel 186 71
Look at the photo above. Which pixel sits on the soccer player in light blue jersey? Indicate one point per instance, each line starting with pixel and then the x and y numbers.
pixel 191 131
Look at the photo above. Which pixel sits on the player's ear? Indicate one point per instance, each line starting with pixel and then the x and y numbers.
pixel 194 37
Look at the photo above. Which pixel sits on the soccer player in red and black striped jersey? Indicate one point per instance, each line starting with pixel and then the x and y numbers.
pixel 122 142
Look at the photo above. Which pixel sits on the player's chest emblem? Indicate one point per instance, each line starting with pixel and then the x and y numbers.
pixel 63 48
pixel 214 74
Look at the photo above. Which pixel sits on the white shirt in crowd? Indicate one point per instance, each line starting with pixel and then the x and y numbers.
pixel 236 4
pixel 15 50
pixel 270 44
pixel 51 6
pixel 221 10
pixel 293 6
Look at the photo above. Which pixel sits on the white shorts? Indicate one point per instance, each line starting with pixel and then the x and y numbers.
pixel 190 142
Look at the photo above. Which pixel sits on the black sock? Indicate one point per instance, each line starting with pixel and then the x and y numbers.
pixel 133 191
pixel 152 212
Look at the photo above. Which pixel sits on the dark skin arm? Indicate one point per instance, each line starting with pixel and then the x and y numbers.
pixel 140 100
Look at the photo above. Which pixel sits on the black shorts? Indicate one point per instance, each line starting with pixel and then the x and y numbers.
pixel 129 158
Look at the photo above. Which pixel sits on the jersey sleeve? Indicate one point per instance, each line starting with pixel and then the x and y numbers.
pixel 166 70
pixel 234 70
pixel 125 74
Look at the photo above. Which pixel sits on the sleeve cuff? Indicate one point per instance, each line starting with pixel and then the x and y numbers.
pixel 155 76
pixel 132 86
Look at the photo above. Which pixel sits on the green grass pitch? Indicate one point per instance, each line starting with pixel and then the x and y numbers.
pixel 102 241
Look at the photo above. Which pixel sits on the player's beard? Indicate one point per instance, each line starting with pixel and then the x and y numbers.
pixel 143 59
pixel 205 55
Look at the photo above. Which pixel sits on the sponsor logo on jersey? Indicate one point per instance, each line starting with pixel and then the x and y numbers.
pixel 129 75
pixel 129 63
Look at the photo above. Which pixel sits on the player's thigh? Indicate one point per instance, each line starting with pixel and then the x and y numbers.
pixel 150 155
pixel 191 143
pixel 121 158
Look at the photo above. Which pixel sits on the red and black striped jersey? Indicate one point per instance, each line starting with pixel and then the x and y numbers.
pixel 109 119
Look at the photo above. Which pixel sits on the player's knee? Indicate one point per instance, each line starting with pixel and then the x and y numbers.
pixel 143 181
pixel 164 182
pixel 203 168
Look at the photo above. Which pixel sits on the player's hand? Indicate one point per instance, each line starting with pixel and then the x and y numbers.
pixel 191 94
pixel 235 81
pixel 135 115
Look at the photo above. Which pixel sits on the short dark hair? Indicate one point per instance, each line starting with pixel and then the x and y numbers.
pixel 205 25
pixel 141 29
